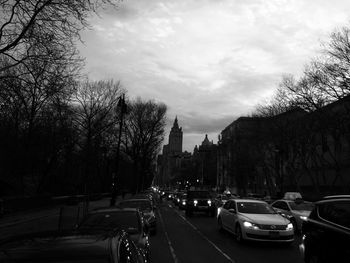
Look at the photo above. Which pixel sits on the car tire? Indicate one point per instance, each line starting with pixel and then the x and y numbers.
pixel 239 235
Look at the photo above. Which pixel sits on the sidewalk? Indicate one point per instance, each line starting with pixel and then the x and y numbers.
pixel 9 220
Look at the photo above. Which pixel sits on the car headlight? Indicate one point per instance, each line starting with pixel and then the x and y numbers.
pixel 209 202
pixel 289 226
pixel 304 218
pixel 183 202
pixel 195 202
pixel 250 225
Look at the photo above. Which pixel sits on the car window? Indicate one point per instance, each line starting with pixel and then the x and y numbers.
pixel 143 205
pixel 301 206
pixel 198 194
pixel 227 205
pixel 254 208
pixel 281 205
pixel 336 212
pixel 110 220
pixel 232 205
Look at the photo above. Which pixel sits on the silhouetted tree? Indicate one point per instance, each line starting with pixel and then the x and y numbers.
pixel 145 123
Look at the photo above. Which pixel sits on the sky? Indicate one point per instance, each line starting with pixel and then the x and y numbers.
pixel 209 61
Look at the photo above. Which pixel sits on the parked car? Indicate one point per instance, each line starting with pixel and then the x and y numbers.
pixel 200 201
pixel 255 220
pixel 145 206
pixel 326 232
pixel 177 198
pixel 296 211
pixel 58 247
pixel 221 199
pixel 292 195
pixel 108 219
pixel 183 201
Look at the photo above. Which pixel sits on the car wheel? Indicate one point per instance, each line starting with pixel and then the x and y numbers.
pixel 220 225
pixel 239 236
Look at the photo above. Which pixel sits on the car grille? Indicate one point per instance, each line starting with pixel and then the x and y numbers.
pixel 289 237
pixel 202 202
pixel 273 227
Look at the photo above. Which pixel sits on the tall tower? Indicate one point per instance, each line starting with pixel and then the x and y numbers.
pixel 175 138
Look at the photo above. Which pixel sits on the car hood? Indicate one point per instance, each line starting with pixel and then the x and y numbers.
pixel 265 219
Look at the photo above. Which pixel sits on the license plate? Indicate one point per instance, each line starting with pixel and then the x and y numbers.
pixel 202 207
pixel 274 234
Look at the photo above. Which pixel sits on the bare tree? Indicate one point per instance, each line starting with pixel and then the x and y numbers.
pixel 95 117
pixel 58 21
pixel 145 125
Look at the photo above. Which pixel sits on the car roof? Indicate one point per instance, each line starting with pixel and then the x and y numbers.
pixel 336 196
pixel 249 201
pixel 58 247
pixel 113 209
pixel 136 200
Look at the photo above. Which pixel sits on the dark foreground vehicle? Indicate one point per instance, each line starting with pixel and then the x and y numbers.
pixel 145 206
pixel 200 201
pixel 326 232
pixel 108 219
pixel 47 247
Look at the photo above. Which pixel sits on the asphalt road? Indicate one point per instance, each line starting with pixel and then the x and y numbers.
pixel 196 239
pixel 179 239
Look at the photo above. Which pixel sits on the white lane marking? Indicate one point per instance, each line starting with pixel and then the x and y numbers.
pixel 172 251
pixel 207 239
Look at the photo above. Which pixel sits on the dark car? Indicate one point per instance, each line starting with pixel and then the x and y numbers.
pixel 145 206
pixel 200 201
pixel 130 220
pixel 326 232
pixel 183 201
pixel 73 247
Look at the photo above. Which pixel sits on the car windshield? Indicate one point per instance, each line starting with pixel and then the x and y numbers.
pixel 143 205
pixel 110 220
pixel 301 206
pixel 198 194
pixel 254 208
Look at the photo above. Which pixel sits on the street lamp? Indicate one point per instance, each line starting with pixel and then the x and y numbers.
pixel 122 106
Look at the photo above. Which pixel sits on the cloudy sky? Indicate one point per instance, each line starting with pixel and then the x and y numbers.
pixel 209 61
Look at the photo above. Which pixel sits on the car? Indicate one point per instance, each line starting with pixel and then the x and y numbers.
pixel 66 247
pixel 254 220
pixel 326 232
pixel 145 206
pixel 292 195
pixel 200 201
pixel 221 199
pixel 107 219
pixel 177 198
pixel 296 211
pixel 183 201
pixel 255 196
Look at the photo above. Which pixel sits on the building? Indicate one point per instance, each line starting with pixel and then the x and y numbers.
pixel 205 163
pixel 292 151
pixel 169 162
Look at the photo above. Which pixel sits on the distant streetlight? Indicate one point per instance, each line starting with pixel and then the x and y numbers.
pixel 122 106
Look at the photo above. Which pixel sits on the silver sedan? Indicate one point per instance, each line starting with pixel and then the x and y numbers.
pixel 254 220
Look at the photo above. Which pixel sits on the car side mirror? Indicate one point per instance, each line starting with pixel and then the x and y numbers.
pixel 232 211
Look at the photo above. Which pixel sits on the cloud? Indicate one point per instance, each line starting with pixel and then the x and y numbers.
pixel 208 60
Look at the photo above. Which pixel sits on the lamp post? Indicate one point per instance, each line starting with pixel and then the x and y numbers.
pixel 122 106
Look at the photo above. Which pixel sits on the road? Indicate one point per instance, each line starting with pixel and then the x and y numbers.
pixel 179 239
pixel 197 239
